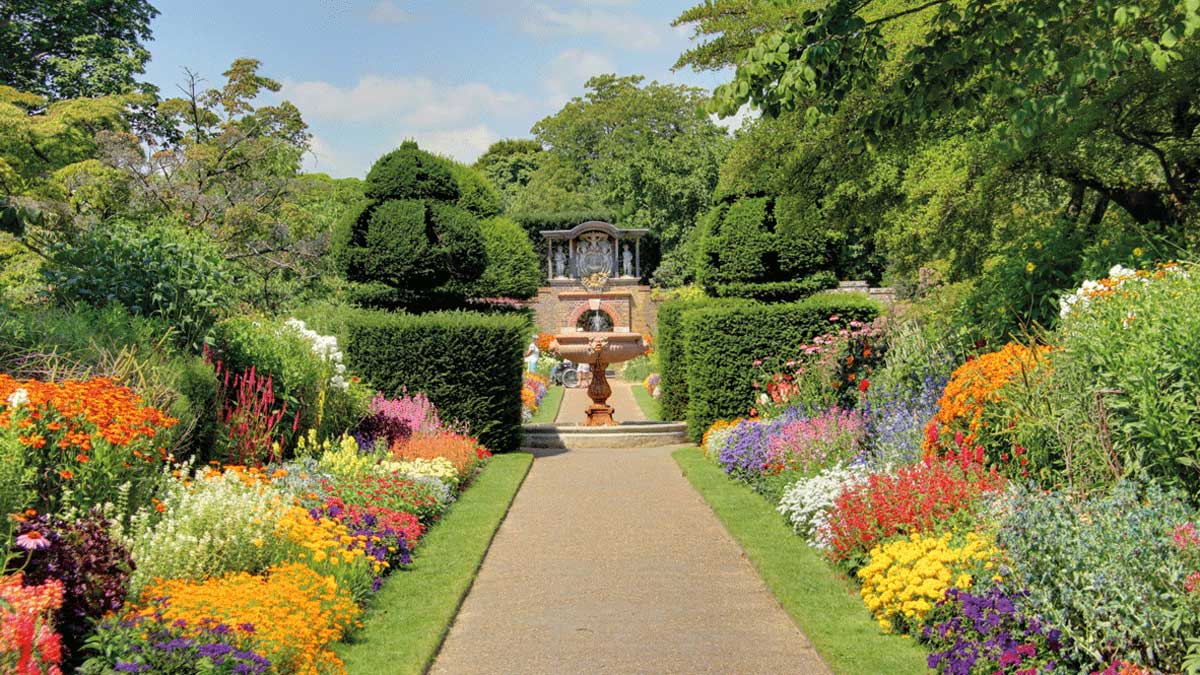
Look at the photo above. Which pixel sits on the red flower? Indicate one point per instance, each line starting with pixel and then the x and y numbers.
pixel 864 385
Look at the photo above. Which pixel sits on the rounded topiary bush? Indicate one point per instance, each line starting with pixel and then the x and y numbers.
pixel 410 173
pixel 410 244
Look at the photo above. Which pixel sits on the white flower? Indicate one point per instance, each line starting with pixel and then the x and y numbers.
pixel 18 398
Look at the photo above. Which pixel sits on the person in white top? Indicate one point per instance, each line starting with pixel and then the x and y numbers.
pixel 531 356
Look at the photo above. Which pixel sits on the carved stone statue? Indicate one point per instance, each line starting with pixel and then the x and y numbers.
pixel 627 261
pixel 560 264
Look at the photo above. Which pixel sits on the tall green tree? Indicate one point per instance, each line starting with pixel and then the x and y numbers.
pixel 646 151
pixel 74 48
pixel 509 164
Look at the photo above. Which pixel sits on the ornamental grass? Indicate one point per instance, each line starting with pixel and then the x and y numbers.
pixel 291 616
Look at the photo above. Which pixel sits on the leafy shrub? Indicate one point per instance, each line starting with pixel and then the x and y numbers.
pixel 87 441
pixel 802 242
pixel 156 271
pixel 904 579
pixel 778 291
pixel 92 566
pixel 723 342
pixel 16 474
pixel 476 194
pixel 672 354
pixel 470 365
pixel 513 268
pixel 737 244
pixel 985 633
pixel 409 239
pixel 291 616
pixel 919 498
pixel 200 528
pixel 1105 570
pixel 1118 400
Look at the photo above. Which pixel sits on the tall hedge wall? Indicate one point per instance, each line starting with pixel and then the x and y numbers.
pixel 470 365
pixel 671 353
pixel 721 342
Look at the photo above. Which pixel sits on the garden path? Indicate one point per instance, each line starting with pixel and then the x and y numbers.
pixel 575 404
pixel 609 562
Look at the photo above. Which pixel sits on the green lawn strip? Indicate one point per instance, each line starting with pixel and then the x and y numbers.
pixel 407 621
pixel 548 411
pixel 823 602
pixel 646 402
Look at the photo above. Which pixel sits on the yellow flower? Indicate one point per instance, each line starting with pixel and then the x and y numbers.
pixel 1030 267
pixel 1137 252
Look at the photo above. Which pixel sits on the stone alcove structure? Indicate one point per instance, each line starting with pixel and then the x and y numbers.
pixel 594 267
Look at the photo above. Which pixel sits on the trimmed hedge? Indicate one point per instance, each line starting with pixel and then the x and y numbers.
pixel 779 291
pixel 470 365
pixel 672 356
pixel 721 342
pixel 514 269
pixel 803 243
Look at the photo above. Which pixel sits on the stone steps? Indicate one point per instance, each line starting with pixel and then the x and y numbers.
pixel 620 436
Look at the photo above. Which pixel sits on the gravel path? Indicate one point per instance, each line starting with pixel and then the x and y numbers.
pixel 609 562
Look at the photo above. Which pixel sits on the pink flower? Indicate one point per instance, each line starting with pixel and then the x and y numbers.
pixel 33 541
pixel 835 317
pixel 757 362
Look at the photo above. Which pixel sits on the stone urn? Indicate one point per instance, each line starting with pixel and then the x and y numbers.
pixel 599 350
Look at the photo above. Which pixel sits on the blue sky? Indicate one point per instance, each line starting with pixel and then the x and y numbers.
pixel 456 75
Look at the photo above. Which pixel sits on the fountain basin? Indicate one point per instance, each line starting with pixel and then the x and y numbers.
pixel 617 347
pixel 598 350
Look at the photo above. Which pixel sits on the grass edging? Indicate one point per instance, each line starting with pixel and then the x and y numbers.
pixel 409 618
pixel 824 604
pixel 548 411
pixel 649 405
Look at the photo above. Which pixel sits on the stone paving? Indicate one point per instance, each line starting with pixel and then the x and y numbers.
pixel 609 562
pixel 575 403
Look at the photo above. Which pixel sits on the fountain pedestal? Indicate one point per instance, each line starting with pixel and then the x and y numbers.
pixel 599 350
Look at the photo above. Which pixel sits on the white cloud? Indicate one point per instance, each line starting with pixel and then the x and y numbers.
pixel 563 77
pixel 387 11
pixel 322 157
pixel 409 101
pixel 625 30
pixel 465 145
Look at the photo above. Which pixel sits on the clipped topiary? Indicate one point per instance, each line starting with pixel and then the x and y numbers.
pixel 410 173
pixel 409 244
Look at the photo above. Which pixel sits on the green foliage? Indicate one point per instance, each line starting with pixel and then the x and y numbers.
pixel 721 343
pixel 1104 570
pixel 82 342
pixel 409 173
pixel 476 193
pixel 779 291
pixel 643 150
pixel 302 378
pixel 801 239
pixel 408 245
pixel 737 245
pixel 672 354
pixel 72 48
pixel 514 269
pixel 470 365
pixel 16 474
pixel 509 164
pixel 157 271
pixel 1118 397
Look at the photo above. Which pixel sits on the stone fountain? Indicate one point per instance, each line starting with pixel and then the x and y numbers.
pixel 599 350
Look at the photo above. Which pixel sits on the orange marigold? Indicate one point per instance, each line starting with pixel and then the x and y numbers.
pixel 462 451
pixel 292 615
pixel 973 386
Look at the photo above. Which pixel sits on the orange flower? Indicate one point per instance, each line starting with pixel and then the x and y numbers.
pixel 82 458
pixel 66 475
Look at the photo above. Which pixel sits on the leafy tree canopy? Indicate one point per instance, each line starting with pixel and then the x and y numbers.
pixel 74 48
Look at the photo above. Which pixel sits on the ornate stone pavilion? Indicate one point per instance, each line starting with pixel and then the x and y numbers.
pixel 595 272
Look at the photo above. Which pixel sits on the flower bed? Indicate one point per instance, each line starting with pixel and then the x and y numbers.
pixel 972 519
pixel 117 558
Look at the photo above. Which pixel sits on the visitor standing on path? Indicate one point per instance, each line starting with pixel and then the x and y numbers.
pixel 532 354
